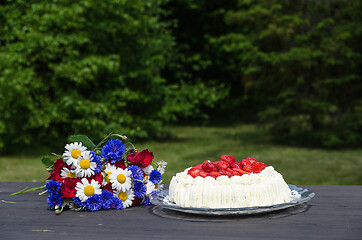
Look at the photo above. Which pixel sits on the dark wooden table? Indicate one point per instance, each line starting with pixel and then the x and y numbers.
pixel 334 213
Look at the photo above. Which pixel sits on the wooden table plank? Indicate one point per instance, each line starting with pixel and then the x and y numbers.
pixel 334 213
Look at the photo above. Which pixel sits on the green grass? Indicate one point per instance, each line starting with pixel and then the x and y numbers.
pixel 22 169
pixel 191 145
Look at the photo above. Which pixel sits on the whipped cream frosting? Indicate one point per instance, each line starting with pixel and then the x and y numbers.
pixel 255 189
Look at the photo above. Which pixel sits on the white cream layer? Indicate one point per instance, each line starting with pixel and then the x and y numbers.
pixel 262 189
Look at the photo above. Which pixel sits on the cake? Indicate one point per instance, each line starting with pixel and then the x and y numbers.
pixel 229 184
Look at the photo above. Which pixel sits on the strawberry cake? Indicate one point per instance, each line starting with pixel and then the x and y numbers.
pixel 229 184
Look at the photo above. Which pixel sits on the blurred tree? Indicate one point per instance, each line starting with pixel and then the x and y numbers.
pixel 130 66
pixel 293 65
pixel 88 67
pixel 303 61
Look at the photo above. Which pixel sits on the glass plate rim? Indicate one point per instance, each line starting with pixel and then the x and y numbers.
pixel 305 195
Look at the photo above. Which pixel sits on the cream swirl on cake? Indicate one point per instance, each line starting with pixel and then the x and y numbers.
pixel 261 186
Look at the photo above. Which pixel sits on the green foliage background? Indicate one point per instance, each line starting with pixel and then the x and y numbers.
pixel 293 66
pixel 94 67
pixel 89 67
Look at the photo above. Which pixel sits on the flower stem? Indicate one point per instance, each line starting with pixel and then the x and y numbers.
pixel 109 135
pixel 101 142
pixel 155 164
pixel 42 192
pixel 57 155
pixel 25 190
pixel 132 145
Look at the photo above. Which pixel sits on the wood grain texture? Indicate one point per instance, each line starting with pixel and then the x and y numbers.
pixel 334 213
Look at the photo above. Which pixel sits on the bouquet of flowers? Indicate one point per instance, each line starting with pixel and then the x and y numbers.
pixel 104 176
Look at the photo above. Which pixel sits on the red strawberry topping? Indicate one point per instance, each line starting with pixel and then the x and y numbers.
pixel 249 168
pixel 209 167
pixel 203 174
pixel 228 166
pixel 263 165
pixel 222 165
pixel 236 173
pixel 194 172
pixel 235 165
pixel 260 166
pixel 214 174
pixel 240 171
pixel 228 158
pixel 244 162
pixel 226 173
pixel 199 166
pixel 251 159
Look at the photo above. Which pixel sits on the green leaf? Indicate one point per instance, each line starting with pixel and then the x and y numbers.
pixel 84 140
pixel 47 161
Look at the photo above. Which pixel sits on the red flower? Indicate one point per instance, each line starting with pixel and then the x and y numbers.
pixel 68 187
pixel 108 187
pixel 98 177
pixel 136 201
pixel 57 167
pixel 142 159
pixel 120 164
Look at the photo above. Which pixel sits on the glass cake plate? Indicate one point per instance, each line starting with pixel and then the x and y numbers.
pixel 299 196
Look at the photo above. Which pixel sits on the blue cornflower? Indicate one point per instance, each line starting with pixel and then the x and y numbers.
pixel 139 189
pixel 97 159
pixel 116 203
pixel 155 177
pixel 107 199
pixel 147 202
pixel 113 150
pixel 53 187
pixel 54 200
pixel 137 172
pixel 94 203
pixel 78 202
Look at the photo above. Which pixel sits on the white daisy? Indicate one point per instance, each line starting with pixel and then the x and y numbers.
pixel 126 196
pixel 108 170
pixel 150 187
pixel 147 170
pixel 85 189
pixel 121 179
pixel 66 173
pixel 159 186
pixel 72 153
pixel 75 207
pixel 85 165
pixel 161 166
pixel 153 187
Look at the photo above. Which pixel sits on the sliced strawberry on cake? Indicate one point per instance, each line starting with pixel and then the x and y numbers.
pixel 227 166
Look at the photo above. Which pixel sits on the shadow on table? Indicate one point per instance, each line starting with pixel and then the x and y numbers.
pixel 170 214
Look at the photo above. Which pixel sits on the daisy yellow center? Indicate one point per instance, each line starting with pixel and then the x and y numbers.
pixel 106 178
pixel 121 178
pixel 85 164
pixel 122 196
pixel 71 175
pixel 75 153
pixel 156 186
pixel 89 190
